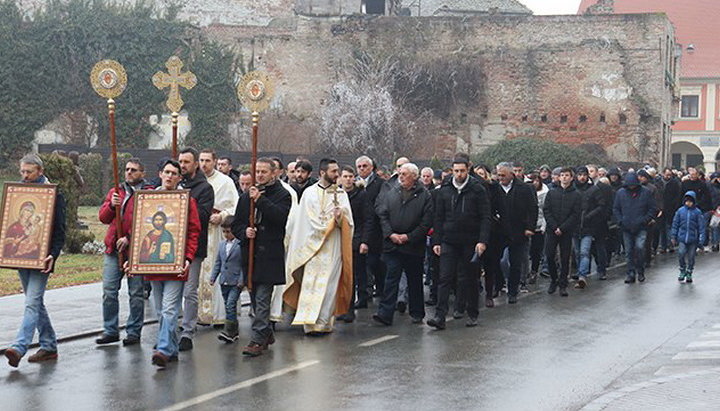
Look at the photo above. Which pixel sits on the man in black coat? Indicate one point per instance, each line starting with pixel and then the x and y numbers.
pixel 358 205
pixel 405 211
pixel 371 241
pixel 461 233
pixel 514 212
pixel 303 169
pixel 593 216
pixel 203 193
pixel 696 184
pixel 272 202
pixel 672 197
pixel 562 214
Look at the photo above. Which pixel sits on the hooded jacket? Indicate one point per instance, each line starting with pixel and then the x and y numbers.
pixel 688 225
pixel 634 205
pixel 462 216
pixel 594 208
pixel 204 195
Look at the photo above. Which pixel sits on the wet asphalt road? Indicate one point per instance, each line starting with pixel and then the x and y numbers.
pixel 545 353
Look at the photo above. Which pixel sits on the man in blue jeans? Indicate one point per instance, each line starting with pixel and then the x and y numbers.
pixel 405 211
pixel 34 281
pixel 112 274
pixel 592 217
pixel 634 209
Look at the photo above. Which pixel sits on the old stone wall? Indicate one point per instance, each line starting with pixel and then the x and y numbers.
pixel 599 81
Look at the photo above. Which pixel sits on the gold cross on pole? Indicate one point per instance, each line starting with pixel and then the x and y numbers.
pixel 174 78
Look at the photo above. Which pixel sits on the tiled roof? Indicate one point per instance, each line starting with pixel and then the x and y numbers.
pixel 439 7
pixel 696 23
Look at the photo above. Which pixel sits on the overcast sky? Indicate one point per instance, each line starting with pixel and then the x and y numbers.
pixel 552 6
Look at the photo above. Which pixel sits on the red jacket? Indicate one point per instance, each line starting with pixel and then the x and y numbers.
pixel 191 244
pixel 107 216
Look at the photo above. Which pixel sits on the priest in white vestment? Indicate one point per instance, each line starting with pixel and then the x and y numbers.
pixel 319 257
pixel 211 307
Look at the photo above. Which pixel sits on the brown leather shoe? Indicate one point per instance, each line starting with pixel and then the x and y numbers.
pixel 160 359
pixel 43 355
pixel 270 341
pixel 13 357
pixel 253 349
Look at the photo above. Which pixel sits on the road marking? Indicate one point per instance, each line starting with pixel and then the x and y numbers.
pixel 378 340
pixel 697 355
pixel 716 326
pixel 711 334
pixel 704 344
pixel 244 384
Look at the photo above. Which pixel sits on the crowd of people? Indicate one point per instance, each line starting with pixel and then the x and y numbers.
pixel 346 238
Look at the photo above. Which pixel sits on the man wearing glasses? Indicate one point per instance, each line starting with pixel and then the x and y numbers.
pixel 112 275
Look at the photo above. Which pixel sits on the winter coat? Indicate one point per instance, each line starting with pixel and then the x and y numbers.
pixel 562 209
pixel 372 235
pixel 608 195
pixel 106 215
pixel 513 212
pixel 462 217
pixel 191 243
pixel 358 205
pixel 413 217
pixel 594 209
pixel 271 216
pixel 204 195
pixel 672 196
pixel 704 198
pixel 688 225
pixel 634 208
pixel 714 190
pixel 541 195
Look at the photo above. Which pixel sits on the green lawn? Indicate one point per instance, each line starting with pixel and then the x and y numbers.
pixel 71 269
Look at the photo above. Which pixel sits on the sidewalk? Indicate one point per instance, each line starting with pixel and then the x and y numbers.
pixel 75 312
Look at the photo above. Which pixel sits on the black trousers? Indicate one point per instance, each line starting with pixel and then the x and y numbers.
pixel 552 242
pixel 455 266
pixel 360 290
pixel 376 268
pixel 518 253
pixel 537 250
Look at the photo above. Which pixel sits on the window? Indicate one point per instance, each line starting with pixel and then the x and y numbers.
pixel 689 106
pixel 602 118
pixel 622 118
pixel 544 118
pixel 375 7
pixel 583 118
pixel 563 119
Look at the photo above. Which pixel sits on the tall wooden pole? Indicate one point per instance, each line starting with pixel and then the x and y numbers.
pixel 253 163
pixel 174 135
pixel 116 176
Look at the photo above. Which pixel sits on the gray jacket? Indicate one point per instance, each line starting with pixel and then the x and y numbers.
pixel 228 266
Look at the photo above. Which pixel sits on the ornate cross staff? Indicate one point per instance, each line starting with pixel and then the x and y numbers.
pixel 255 91
pixel 174 78
pixel 109 80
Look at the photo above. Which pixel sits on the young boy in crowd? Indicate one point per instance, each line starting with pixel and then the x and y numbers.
pixel 688 231
pixel 228 267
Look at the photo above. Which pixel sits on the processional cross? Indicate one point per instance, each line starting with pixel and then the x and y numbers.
pixel 174 79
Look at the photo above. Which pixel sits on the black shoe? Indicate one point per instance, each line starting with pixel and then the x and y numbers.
pixel 641 277
pixel 575 277
pixel 431 302
pixel 401 307
pixel 360 306
pixel 603 277
pixel 417 320
pixel 532 279
pixel 563 292
pixel 107 339
pixel 458 315
pixel 629 279
pixel 130 340
pixel 186 344
pixel 512 299
pixel 381 320
pixel 346 318
pixel 552 287
pixel 437 323
pixel 715 248
pixel 471 322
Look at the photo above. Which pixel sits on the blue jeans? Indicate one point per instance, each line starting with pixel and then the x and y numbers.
pixel 230 294
pixel 168 300
pixel 35 316
pixel 412 265
pixel 714 235
pixel 583 245
pixel 687 251
pixel 112 279
pixel 634 244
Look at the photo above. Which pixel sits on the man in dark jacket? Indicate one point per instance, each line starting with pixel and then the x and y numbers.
pixel 562 210
pixel 303 169
pixel 696 184
pixel 714 233
pixel 371 242
pixel 358 205
pixel 647 181
pixel 203 193
pixel 634 209
pixel 272 202
pixel 593 216
pixel 405 211
pixel 35 281
pixel 672 196
pixel 514 213
pixel 461 234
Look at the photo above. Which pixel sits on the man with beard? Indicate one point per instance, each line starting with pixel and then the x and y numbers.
pixel 461 233
pixel 203 193
pixel 371 241
pixel 272 203
pixel 320 254
pixel 225 166
pixel 303 168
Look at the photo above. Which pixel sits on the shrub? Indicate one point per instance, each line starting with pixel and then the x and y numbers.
pixel 534 153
